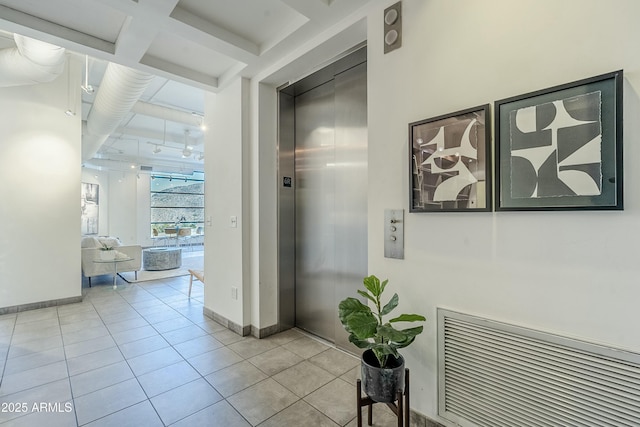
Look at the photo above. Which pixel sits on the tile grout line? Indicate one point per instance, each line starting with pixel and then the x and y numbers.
pixel 66 364
pixel 126 360
pixel 183 312
pixel 6 356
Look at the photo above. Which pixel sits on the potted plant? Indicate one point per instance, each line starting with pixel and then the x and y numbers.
pixel 106 252
pixel 382 366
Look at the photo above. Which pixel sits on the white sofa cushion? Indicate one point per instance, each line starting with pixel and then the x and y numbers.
pixel 91 268
pixel 97 242
pixel 90 242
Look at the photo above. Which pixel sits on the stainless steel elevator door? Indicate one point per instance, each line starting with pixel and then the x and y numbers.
pixel 330 200
pixel 314 210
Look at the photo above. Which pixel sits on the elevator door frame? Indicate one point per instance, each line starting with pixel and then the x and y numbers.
pixel 287 202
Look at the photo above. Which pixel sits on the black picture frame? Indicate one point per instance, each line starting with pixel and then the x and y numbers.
pixel 568 141
pixel 450 162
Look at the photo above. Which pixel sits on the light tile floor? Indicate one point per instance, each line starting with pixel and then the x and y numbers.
pixel 145 355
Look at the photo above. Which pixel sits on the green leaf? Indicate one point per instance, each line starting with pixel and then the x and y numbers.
pixel 351 305
pixel 393 303
pixel 408 318
pixel 359 343
pixel 404 343
pixel 362 324
pixel 372 283
pixel 412 332
pixel 410 336
pixel 390 333
pixel 381 352
pixel 384 285
pixel 366 295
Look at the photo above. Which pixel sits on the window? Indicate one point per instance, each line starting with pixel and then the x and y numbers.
pixel 177 202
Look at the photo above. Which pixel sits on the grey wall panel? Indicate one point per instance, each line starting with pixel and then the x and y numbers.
pixel 286 212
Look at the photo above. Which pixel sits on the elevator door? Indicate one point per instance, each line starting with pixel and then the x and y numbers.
pixel 330 200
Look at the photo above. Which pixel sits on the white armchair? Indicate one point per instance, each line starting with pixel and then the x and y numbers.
pixel 91 251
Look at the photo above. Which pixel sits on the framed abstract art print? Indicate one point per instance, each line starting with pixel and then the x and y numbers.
pixel 561 148
pixel 450 162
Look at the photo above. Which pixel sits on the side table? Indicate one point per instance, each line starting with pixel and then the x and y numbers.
pixel 115 262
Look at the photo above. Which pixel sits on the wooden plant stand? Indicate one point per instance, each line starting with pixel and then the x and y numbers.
pixel 401 411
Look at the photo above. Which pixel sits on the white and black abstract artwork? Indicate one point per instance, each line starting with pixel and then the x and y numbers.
pixel 449 162
pixel 561 148
pixel 556 148
pixel 89 207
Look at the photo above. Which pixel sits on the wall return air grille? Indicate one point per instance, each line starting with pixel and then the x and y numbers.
pixel 492 374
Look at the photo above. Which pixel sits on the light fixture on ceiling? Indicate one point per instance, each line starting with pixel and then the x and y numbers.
pixel 71 91
pixel 157 149
pixel 86 87
pixel 200 118
pixel 187 149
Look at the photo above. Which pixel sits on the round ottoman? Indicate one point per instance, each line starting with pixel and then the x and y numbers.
pixel 161 258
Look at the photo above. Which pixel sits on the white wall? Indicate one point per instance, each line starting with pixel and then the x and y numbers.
pixel 123 207
pixel 227 253
pixel 130 216
pixel 264 191
pixel 101 178
pixel 143 210
pixel 40 192
pixel 571 273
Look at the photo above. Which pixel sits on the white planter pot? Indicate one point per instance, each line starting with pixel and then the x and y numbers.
pixel 107 255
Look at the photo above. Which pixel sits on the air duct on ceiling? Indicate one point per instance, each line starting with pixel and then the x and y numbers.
pixel 31 62
pixel 166 113
pixel 120 89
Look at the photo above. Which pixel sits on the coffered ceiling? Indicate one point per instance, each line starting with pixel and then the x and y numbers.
pixel 190 46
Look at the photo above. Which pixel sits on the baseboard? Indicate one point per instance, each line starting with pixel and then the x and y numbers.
pixel 40 304
pixel 241 330
pixel 238 329
pixel 420 420
pixel 417 419
pixel 264 332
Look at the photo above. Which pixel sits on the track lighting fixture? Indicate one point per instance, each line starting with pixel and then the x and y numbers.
pixel 200 118
pixel 71 90
pixel 187 149
pixel 86 87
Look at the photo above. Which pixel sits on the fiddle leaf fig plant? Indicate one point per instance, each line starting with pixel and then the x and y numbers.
pixel 368 330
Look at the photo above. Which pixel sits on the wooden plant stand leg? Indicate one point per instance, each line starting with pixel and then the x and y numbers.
pixel 362 402
pixel 400 407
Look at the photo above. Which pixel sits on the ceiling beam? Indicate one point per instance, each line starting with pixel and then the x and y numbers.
pixel 207 34
pixel 31 26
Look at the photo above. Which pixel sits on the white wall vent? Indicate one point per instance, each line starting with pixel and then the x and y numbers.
pixel 494 374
